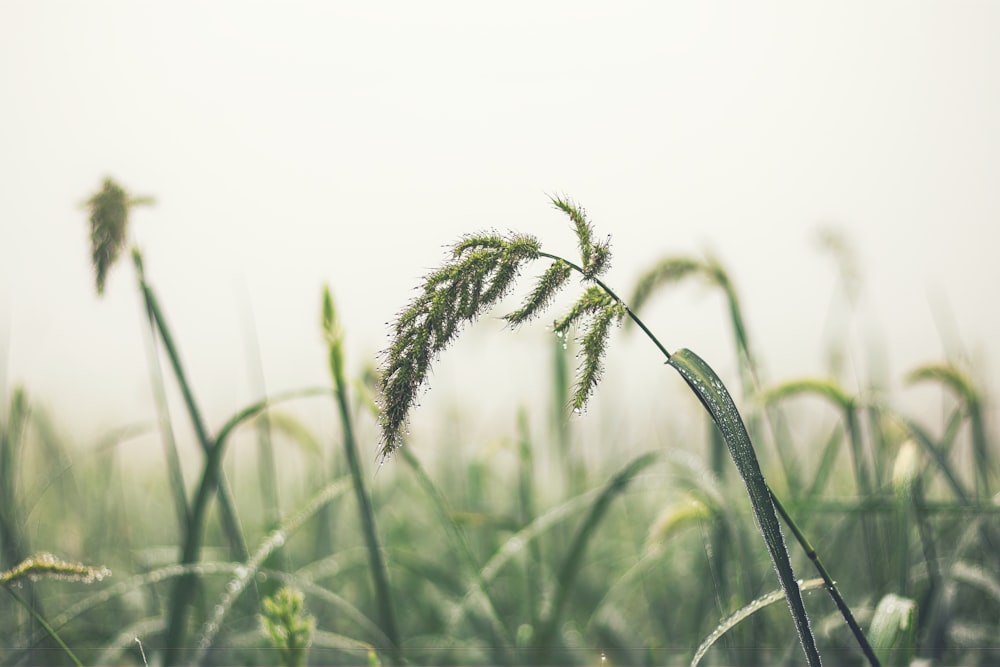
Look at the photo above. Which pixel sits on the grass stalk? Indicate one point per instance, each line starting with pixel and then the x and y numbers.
pixel 963 388
pixel 380 578
pixel 831 587
pixel 49 630
pixel 570 566
pixel 230 522
pixel 481 270
pixel 460 546
pixel 266 464
pixel 273 543
pixel 12 549
pixel 175 475
pixel 186 584
pixel 526 510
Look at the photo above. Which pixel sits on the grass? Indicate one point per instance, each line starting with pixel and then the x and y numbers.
pixel 522 553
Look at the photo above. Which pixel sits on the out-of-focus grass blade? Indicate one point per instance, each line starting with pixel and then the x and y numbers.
pixel 713 395
pixel 825 468
pixel 892 629
pixel 733 619
pixel 574 556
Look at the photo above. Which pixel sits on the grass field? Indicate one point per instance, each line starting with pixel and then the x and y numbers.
pixel 313 551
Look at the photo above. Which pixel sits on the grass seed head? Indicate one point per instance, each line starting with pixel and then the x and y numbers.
pixel 109 208
pixel 480 271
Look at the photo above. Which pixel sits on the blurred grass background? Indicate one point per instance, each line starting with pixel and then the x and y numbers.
pixel 612 538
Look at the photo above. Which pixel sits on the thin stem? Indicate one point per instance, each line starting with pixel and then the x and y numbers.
pixel 600 283
pixel 382 592
pixel 228 513
pixel 174 472
pixel 799 536
pixel 48 628
pixel 831 587
pixel 210 480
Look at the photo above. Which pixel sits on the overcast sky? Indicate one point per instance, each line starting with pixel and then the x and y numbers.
pixel 298 143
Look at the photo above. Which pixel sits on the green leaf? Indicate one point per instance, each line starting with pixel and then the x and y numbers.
pixel 893 627
pixel 717 400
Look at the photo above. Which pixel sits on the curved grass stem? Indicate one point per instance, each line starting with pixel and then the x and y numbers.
pixel 772 499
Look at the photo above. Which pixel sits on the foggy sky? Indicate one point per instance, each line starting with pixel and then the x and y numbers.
pixel 295 144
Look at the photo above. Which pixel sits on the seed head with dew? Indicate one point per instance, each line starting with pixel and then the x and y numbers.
pixel 479 271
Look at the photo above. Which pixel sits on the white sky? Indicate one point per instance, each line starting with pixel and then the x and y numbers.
pixel 292 144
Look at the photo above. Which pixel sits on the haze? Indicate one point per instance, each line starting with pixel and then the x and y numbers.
pixel 295 144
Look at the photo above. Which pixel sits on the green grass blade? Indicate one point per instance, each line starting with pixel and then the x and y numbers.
pixel 574 555
pixel 211 477
pixel 45 625
pixel 713 395
pixel 957 381
pixel 893 628
pixel 743 613
pixel 266 463
pixel 526 501
pixel 227 511
pixel 825 467
pixel 924 439
pixel 175 474
pixel 380 577
pixel 246 574
pixel 459 542
pixel 11 549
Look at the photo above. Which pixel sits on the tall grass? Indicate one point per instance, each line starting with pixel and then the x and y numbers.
pixel 635 556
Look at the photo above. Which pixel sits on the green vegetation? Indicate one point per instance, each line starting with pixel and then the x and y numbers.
pixel 525 552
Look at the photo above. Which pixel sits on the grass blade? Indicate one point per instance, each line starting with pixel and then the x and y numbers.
pixel 210 479
pixel 574 556
pixel 713 395
pixel 745 612
pixel 245 574
pixel 380 577
pixel 175 474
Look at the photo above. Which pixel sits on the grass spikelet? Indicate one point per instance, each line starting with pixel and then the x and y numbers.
pixel 590 302
pixel 686 511
pixel 582 226
pixel 959 383
pixel 669 270
pixel 109 209
pixel 599 309
pixel 481 271
pixel 595 343
pixel 549 283
pixel 947 375
pixel 47 566
pixel 827 389
pixel 288 625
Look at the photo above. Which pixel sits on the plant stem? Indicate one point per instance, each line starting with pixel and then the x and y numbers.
pixel 210 479
pixel 383 594
pixel 174 472
pixel 799 536
pixel 48 628
pixel 600 283
pixel 230 523
pixel 831 587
